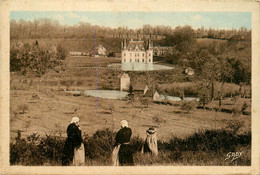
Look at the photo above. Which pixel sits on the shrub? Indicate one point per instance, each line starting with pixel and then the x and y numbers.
pixel 236 112
pixel 36 150
pixel 244 107
pixel 23 108
pixel 100 145
pixel 188 106
pixel 137 144
pixel 158 120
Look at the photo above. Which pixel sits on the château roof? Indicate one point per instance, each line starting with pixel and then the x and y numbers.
pixel 139 45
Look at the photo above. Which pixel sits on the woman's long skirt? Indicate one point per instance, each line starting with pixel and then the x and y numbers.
pixel 125 155
pixel 79 156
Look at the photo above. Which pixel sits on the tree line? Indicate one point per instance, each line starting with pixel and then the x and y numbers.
pixel 47 28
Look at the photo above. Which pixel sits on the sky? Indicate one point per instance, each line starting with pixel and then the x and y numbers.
pixel 133 20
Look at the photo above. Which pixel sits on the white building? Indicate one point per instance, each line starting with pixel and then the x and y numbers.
pixel 124 82
pixel 101 50
pixel 137 51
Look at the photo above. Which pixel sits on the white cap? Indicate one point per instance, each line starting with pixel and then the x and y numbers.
pixel 74 120
pixel 124 123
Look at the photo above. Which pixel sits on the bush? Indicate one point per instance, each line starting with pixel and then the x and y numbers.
pixel 188 106
pixel 36 150
pixel 100 145
pixel 209 140
pixel 23 108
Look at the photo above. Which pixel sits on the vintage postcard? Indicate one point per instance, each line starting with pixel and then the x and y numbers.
pixel 130 87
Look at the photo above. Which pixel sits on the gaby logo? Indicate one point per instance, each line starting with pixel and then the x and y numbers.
pixel 233 155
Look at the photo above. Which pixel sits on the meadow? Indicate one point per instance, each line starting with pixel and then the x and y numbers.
pixel 40 106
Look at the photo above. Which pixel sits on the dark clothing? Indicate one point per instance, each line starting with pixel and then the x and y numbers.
pixel 146 148
pixel 123 135
pixel 125 152
pixel 73 140
pixel 125 155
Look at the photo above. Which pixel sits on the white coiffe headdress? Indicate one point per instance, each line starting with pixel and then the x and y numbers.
pixel 124 123
pixel 74 120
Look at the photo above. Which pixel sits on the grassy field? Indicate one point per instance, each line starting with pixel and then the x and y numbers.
pixel 50 108
pixel 41 105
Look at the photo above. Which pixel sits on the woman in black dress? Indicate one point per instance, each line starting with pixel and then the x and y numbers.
pixel 73 141
pixel 125 153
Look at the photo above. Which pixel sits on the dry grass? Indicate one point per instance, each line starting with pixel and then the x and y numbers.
pixel 52 108
pixel 55 106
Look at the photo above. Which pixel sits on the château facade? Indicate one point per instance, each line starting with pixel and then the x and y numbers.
pixel 137 51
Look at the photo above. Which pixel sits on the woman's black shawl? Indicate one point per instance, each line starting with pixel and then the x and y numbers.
pixel 125 153
pixel 73 140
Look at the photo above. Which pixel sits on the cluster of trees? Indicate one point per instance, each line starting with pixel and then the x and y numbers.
pixel 228 61
pixel 32 58
pixel 47 28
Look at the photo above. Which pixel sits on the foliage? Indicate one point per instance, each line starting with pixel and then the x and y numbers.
pixel 111 54
pixel 61 52
pixel 204 94
pixel 23 107
pixel 188 106
pixel 244 107
pixel 32 58
pixel 158 120
pixel 36 150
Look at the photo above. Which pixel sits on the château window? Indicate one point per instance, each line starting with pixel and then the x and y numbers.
pixel 143 54
pixel 137 60
pixel 124 54
pixel 143 60
pixel 130 60
pixel 149 54
pixel 124 60
pixel 149 60
pixel 135 54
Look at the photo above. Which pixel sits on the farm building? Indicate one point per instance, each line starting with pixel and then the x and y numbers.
pixel 189 71
pixel 124 82
pixel 137 51
pixel 162 50
pixel 156 96
pixel 101 51
pixel 79 54
pixel 142 90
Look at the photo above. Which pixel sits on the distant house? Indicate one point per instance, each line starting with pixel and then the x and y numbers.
pixel 141 89
pixel 156 96
pixel 189 71
pixel 79 53
pixel 162 50
pixel 101 51
pixel 117 55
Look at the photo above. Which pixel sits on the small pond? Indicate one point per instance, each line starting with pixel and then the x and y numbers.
pixel 114 94
pixel 108 94
pixel 139 66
